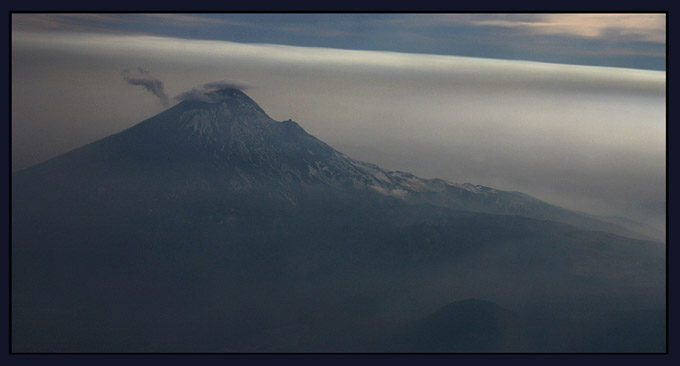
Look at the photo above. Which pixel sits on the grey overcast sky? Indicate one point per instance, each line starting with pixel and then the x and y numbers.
pixel 569 108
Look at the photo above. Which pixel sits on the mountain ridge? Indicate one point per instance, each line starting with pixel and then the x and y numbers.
pixel 230 132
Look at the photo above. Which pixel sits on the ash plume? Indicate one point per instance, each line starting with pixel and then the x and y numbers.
pixel 143 78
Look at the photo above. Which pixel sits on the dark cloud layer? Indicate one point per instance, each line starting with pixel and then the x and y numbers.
pixel 621 40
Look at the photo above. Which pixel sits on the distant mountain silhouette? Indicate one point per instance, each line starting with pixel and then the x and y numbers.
pixel 211 227
pixel 234 146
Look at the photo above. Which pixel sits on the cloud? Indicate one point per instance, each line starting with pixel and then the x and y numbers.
pixel 199 94
pixel 225 84
pixel 570 38
pixel 192 20
pixel 115 23
pixel 603 27
pixel 644 27
pixel 149 83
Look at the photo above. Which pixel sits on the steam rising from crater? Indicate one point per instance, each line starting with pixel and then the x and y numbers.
pixel 199 93
pixel 150 83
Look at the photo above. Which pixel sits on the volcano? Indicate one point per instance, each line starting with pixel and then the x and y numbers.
pixel 211 227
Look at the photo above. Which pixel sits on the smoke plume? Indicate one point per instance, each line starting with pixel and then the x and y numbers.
pixel 143 78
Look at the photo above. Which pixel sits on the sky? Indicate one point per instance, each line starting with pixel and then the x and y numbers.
pixel 622 40
pixel 569 108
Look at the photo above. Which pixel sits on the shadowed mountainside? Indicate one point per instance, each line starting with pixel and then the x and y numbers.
pixel 212 228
